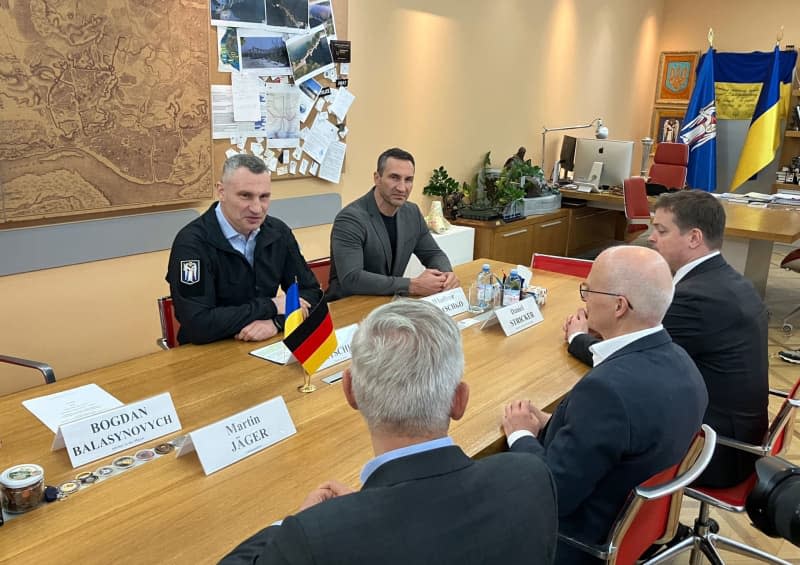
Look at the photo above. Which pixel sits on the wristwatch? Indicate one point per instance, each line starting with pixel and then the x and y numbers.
pixel 278 323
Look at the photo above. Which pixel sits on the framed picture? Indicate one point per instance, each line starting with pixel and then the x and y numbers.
pixel 667 123
pixel 676 74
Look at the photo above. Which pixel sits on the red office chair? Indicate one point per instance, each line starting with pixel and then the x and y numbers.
pixel 792 263
pixel 564 265
pixel 637 207
pixel 169 324
pixel 669 165
pixel 322 270
pixel 733 499
pixel 652 510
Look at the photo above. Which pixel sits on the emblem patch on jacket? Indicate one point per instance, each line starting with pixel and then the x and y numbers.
pixel 190 271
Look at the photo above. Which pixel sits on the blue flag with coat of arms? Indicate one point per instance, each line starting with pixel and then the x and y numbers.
pixel 700 128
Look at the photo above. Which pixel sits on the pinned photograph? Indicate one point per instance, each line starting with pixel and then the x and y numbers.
pixel 228 48
pixel 309 54
pixel 320 12
pixel 263 54
pixel 311 88
pixel 238 13
pixel 288 15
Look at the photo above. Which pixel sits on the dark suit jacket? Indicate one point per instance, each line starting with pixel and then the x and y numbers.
pixel 362 261
pixel 629 418
pixel 436 507
pixel 719 319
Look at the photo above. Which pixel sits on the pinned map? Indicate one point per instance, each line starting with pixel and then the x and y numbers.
pixel 103 106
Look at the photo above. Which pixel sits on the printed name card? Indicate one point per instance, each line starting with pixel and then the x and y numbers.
pixel 230 440
pixel 451 302
pixel 109 432
pixel 516 317
pixel 344 336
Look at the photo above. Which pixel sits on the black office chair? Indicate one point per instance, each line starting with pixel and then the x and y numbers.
pixel 46 370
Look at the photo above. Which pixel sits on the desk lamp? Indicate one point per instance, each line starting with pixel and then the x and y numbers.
pixel 601 132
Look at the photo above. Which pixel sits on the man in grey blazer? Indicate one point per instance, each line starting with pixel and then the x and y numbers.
pixel 423 500
pixel 632 416
pixel 373 238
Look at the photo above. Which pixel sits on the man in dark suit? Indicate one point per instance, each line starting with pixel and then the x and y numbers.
pixel 423 500
pixel 373 238
pixel 632 416
pixel 718 318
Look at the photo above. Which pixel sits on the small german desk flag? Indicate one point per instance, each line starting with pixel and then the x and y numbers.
pixel 311 340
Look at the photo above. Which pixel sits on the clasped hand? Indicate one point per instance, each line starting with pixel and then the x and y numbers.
pixel 523 415
pixel 431 281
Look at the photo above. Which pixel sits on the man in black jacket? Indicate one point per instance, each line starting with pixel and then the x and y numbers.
pixel 226 266
pixel 717 317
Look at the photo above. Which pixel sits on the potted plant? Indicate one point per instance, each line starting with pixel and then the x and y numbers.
pixel 445 187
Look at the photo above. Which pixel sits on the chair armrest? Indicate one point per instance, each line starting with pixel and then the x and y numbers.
pixel 689 476
pixel 44 368
pixel 600 552
pixel 759 450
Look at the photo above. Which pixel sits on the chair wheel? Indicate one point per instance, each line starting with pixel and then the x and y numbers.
pixel 788 328
pixel 713 526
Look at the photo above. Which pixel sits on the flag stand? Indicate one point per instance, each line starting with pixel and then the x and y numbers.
pixel 306 387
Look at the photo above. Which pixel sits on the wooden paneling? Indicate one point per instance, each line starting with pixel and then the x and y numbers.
pixel 515 242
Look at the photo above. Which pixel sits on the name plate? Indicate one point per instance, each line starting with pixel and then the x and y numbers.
pixel 344 336
pixel 230 440
pixel 451 302
pixel 516 317
pixel 111 431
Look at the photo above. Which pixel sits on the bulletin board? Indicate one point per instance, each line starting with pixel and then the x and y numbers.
pixel 297 159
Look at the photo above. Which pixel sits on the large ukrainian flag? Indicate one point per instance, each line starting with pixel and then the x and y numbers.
pixel 763 137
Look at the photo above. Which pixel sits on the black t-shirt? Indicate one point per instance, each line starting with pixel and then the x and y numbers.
pixel 391 229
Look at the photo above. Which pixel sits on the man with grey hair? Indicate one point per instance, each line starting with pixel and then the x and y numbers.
pixel 423 500
pixel 226 266
pixel 717 316
pixel 632 416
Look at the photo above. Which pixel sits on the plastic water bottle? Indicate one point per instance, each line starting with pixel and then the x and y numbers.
pixel 512 288
pixel 485 284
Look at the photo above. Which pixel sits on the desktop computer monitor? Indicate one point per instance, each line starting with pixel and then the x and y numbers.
pixel 616 156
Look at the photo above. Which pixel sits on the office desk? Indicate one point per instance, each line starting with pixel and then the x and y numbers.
pixel 749 232
pixel 168 511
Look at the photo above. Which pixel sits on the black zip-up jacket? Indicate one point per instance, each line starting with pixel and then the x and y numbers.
pixel 215 290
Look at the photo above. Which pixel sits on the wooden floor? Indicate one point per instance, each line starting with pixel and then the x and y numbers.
pixel 783 293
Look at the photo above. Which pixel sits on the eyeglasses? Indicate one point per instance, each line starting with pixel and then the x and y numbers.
pixel 584 290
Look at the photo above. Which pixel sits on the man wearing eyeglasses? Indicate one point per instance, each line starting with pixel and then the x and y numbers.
pixel 633 415
pixel 718 318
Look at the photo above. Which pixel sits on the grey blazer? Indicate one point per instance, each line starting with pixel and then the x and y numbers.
pixel 361 255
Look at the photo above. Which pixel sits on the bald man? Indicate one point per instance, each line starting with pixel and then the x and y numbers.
pixel 632 416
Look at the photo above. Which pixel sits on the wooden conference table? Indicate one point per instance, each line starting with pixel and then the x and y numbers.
pixel 168 511
pixel 750 232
